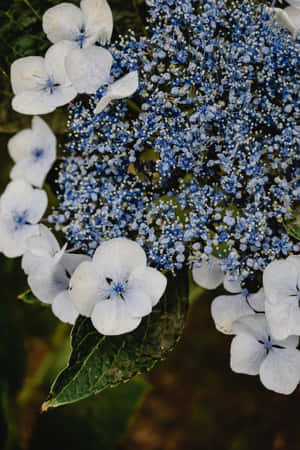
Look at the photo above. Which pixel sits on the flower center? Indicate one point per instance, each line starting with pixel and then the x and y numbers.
pixel 50 86
pixel 19 219
pixel 80 38
pixel 37 153
pixel 118 288
pixel 267 343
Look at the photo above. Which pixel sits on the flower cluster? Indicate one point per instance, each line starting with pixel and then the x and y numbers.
pixel 204 160
pixel 266 325
pixel 122 289
pixel 183 151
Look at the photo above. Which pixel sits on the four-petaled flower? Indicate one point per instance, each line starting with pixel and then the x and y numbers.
pixel 41 84
pixel 21 208
pixel 85 26
pixel 117 289
pixel 33 151
pixel 255 352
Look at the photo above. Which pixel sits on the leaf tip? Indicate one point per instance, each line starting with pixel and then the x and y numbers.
pixel 46 405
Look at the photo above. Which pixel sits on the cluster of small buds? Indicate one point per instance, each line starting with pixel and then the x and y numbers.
pixel 207 151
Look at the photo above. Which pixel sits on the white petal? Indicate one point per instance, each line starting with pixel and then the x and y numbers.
pixel 257 301
pixel 252 325
pixel 289 18
pixel 44 245
pixel 98 21
pixel 295 259
pixel 225 309
pixel 19 196
pixel 55 61
pixel 246 355
pixel 209 275
pixel 63 22
pixel 280 280
pixel 294 3
pixel 290 341
pixel 20 144
pixel 280 371
pixel 13 240
pixel 123 88
pixel 284 318
pixel 48 282
pixel 64 309
pixel 138 303
pixel 117 258
pixel 88 68
pixel 110 317
pixel 149 280
pixel 43 102
pixel 27 74
pixel 71 261
pixel 231 285
pixel 85 288
pixel 34 174
pixel 43 133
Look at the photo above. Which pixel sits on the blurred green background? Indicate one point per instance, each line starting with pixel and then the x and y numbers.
pixel 191 401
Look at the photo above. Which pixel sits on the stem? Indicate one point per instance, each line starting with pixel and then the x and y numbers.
pixel 133 106
pixel 195 293
pixel 32 9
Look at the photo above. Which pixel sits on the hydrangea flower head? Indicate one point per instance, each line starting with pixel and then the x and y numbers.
pixel 204 159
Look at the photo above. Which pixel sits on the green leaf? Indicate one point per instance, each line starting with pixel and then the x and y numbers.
pixel 294 231
pixel 98 361
pixel 29 297
pixel 293 227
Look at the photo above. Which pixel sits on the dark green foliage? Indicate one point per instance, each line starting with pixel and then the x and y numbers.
pixel 93 424
pixel 98 362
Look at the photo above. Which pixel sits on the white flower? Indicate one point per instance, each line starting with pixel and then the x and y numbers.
pixel 41 84
pixel 225 309
pixel 281 281
pixel 21 208
pixel 34 152
pixel 117 289
pixel 255 352
pixel 49 269
pixel 122 88
pixel 90 23
pixel 288 18
pixel 87 65
pixel 211 275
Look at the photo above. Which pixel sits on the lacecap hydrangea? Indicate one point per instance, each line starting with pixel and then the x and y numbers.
pixel 204 159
